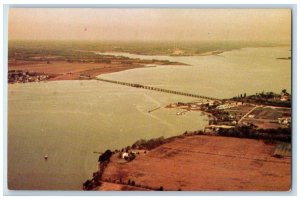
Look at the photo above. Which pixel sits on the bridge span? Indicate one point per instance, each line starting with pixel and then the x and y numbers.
pixel 136 85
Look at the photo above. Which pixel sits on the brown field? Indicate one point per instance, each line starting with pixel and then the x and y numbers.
pixel 205 163
pixel 117 187
pixel 63 70
pixel 272 113
pixel 267 117
pixel 239 111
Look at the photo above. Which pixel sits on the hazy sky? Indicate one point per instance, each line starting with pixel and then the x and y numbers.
pixel 149 24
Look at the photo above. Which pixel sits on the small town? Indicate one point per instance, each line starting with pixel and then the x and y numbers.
pixel 19 76
pixel 273 113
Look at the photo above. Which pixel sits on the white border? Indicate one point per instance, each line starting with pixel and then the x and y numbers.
pixel 147 3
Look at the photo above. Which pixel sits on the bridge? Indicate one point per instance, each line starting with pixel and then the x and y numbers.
pixel 136 85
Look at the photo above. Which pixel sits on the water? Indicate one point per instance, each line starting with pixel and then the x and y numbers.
pixel 69 120
pixel 226 75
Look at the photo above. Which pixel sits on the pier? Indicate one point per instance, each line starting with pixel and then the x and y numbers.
pixel 136 85
pixel 153 109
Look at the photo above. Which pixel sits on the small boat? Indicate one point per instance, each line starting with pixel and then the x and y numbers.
pixel 46 157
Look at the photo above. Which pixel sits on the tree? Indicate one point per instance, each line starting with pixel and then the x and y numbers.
pixel 132 183
pixel 283 91
pixel 105 156
pixel 127 149
pixel 120 155
pixel 88 185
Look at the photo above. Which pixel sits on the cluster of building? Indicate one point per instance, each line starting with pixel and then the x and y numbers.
pixel 228 105
pixel 285 97
pixel 216 110
pixel 228 114
pixel 199 105
pixel 285 121
pixel 18 76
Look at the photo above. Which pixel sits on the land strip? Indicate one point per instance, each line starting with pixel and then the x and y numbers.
pixel 23 71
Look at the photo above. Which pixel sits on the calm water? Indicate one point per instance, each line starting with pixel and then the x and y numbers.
pixel 231 73
pixel 69 120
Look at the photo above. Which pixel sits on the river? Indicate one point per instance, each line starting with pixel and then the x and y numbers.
pixel 247 70
pixel 69 120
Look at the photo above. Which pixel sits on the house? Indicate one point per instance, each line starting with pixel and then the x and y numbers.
pixel 216 127
pixel 285 97
pixel 284 120
pixel 225 106
pixel 128 156
pixel 125 155
pixel 194 107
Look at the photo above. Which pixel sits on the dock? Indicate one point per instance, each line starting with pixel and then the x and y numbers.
pixel 154 109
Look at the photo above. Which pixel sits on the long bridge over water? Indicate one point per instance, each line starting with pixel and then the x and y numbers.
pixel 136 85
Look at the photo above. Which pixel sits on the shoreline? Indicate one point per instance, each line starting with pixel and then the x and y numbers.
pixel 279 152
pixel 91 66
pixel 23 71
pixel 89 71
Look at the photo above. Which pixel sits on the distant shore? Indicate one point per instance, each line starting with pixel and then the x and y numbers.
pixel 23 71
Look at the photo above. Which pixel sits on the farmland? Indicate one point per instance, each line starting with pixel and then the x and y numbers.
pixel 268 117
pixel 205 163
pixel 67 61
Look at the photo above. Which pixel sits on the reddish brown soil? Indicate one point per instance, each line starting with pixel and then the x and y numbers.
pixel 62 70
pixel 206 163
pixel 118 187
pixel 267 117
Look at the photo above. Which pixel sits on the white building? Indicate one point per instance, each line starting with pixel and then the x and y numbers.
pixel 124 155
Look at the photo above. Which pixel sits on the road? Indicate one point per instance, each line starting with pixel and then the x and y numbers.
pixel 247 114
